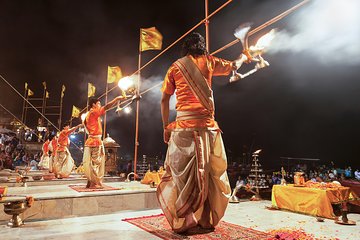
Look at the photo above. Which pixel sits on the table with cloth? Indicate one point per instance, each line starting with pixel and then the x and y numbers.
pixel 154 176
pixel 311 201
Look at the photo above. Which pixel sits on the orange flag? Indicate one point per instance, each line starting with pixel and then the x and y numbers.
pixel 114 74
pixel 150 39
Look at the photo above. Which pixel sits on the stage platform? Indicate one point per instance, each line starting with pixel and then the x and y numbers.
pixel 61 201
pixel 248 214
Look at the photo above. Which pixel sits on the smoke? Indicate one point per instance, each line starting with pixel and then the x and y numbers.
pixel 325 30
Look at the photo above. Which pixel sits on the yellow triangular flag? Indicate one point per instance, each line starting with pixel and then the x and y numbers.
pixel 150 39
pixel 114 74
pixel 30 93
pixel 75 112
pixel 91 90
pixel 47 94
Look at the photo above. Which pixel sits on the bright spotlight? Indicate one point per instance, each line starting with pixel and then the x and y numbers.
pixel 72 136
pixel 127 110
pixel 125 83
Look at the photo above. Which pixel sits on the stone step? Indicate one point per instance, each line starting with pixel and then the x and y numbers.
pixel 60 201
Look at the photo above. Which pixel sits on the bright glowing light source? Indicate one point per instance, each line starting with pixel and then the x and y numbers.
pixel 127 110
pixel 83 116
pixel 72 136
pixel 125 83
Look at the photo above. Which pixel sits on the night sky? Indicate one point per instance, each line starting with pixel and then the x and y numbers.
pixel 305 105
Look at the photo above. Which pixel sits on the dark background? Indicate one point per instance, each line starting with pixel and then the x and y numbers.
pixel 305 105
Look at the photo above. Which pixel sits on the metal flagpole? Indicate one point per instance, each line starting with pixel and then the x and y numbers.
pixel 137 110
pixel 61 106
pixel 87 109
pixel 206 22
pixel 26 105
pixel 43 99
pixel 106 100
pixel 22 113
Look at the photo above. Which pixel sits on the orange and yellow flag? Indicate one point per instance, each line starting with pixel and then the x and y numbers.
pixel 30 93
pixel 150 39
pixel 114 74
pixel 91 90
pixel 75 112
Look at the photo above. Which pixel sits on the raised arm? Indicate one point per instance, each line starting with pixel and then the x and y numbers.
pixel 113 102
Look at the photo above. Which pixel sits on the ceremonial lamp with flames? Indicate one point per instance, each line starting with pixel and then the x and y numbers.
pixel 126 85
pixel 252 53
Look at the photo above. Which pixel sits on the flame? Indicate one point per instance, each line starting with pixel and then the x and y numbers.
pixel 265 40
pixel 125 83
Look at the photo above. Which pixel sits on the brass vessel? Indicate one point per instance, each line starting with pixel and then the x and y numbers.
pixel 15 209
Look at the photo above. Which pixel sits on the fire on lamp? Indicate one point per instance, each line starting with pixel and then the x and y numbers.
pixel 126 84
pixel 254 51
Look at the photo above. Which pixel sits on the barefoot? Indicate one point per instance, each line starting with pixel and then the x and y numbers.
pixel 190 222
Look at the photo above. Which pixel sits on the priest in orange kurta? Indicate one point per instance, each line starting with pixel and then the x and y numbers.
pixel 94 153
pixel 45 159
pixel 194 189
pixel 52 149
pixel 63 163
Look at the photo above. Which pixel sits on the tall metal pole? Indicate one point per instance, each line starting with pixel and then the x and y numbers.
pixel 137 111
pixel 207 39
pixel 87 109
pixel 61 106
pixel 106 100
pixel 26 104
pixel 23 110
pixel 43 100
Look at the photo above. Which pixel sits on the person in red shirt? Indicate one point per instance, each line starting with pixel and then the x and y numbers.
pixel 94 153
pixel 63 163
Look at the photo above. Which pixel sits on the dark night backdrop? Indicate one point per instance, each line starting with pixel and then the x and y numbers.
pixel 306 104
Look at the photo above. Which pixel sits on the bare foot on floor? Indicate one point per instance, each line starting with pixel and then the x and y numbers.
pixel 190 222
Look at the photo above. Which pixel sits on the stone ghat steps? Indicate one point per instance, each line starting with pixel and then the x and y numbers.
pixel 60 201
pixel 72 179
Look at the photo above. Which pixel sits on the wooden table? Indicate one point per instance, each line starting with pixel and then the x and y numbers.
pixel 311 201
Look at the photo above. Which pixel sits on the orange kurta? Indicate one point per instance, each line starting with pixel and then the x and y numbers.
pixel 54 145
pixel 63 140
pixel 209 66
pixel 93 126
pixel 45 147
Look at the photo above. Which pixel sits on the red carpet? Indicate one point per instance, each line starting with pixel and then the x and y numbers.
pixel 82 188
pixel 159 226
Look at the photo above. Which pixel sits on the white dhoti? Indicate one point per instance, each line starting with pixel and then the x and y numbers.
pixel 44 162
pixel 94 164
pixel 63 164
pixel 195 179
